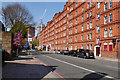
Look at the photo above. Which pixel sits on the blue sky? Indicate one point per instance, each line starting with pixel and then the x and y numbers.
pixel 37 9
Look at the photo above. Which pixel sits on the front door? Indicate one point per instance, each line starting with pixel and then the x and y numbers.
pixel 97 51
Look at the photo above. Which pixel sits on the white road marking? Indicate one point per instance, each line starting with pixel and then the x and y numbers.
pixel 80 67
pixel 92 60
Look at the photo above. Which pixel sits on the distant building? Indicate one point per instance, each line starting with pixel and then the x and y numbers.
pixel 30 33
pixel 40 28
pixel 34 38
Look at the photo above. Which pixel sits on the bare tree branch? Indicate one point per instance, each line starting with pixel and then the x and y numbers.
pixel 16 13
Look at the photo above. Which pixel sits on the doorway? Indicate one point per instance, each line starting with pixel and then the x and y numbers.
pixel 97 51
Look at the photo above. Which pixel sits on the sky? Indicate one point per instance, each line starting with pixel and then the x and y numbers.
pixel 37 9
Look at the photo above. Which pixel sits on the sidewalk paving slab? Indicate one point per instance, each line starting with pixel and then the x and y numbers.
pixel 26 68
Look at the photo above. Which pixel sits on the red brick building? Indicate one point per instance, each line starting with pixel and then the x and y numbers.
pixel 30 33
pixel 84 25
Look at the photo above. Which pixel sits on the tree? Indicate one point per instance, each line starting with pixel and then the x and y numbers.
pixel 18 40
pixel 16 13
pixel 18 26
pixel 35 42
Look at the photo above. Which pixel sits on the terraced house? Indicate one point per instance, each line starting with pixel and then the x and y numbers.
pixel 84 25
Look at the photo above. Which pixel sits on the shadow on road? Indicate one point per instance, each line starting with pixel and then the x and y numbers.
pixel 96 76
pixel 22 71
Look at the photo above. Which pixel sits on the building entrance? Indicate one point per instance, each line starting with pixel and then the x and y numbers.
pixel 97 51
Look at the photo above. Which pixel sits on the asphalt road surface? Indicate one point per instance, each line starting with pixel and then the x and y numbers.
pixel 78 68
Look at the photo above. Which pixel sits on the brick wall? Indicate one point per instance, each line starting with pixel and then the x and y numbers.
pixel 7 41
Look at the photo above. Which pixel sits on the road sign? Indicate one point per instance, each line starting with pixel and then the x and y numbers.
pixel 27 43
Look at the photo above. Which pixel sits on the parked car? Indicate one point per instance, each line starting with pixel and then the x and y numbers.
pixel 39 48
pixel 73 53
pixel 65 52
pixel 57 52
pixel 85 53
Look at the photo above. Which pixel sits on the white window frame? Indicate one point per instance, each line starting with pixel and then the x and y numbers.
pixel 87 46
pixel 91 13
pixel 110 16
pixel 76 4
pixel 82 18
pixel 98 40
pixel 105 7
pixel 64 27
pixel 75 38
pixel 75 30
pixel 110 4
pixel 82 37
pixel 76 47
pixel 98 29
pixel 87 36
pixel 82 27
pixel 71 8
pixel 90 35
pixel 90 46
pixel 82 46
pixel 87 25
pixel 90 24
pixel 98 16
pixel 76 21
pixel 88 5
pixel 87 15
pixel 105 33
pixel 98 5
pixel 76 13
pixel 110 33
pixel 91 4
pixel 82 9
pixel 105 20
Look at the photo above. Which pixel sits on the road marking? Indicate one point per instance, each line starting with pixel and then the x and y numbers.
pixel 107 66
pixel 51 69
pixel 80 67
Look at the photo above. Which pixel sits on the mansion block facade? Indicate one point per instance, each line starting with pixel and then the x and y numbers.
pixel 84 25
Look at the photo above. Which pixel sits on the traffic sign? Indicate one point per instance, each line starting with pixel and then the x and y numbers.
pixel 27 43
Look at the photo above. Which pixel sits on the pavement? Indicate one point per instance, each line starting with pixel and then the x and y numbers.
pixel 27 67
pixel 108 59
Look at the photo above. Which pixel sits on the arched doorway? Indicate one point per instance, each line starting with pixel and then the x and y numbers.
pixel 97 51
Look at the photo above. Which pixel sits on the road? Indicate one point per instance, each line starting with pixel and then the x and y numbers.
pixel 74 67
